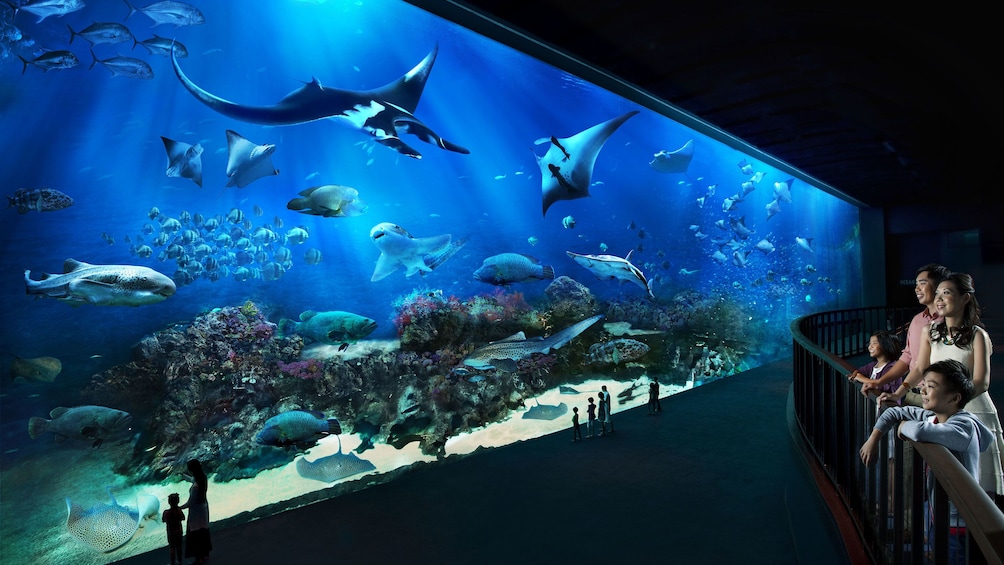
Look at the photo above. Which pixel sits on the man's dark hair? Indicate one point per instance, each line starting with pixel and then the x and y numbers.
pixel 956 377
pixel 935 272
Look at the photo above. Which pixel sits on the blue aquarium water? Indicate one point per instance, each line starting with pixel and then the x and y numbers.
pixel 697 254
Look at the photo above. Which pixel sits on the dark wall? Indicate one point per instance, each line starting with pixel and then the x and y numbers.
pixel 962 238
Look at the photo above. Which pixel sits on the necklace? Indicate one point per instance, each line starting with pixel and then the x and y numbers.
pixel 948 339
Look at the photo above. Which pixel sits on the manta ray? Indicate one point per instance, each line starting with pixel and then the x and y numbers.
pixel 184 160
pixel 380 113
pixel 674 161
pixel 567 167
pixel 247 162
pixel 610 267
pixel 417 254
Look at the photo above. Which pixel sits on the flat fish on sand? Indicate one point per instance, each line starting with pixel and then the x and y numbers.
pixel 333 467
pixel 545 411
pixel 103 527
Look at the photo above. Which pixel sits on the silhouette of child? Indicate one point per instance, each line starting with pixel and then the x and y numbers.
pixel 576 432
pixel 173 517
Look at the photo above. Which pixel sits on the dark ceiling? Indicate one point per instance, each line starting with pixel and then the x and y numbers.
pixel 892 104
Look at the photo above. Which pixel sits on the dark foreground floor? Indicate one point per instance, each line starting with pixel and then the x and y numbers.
pixel 715 478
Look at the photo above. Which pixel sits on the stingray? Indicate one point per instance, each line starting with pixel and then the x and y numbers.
pixel 184 160
pixel 565 389
pixel 674 161
pixel 247 162
pixel 104 527
pixel 333 467
pixel 545 411
pixel 567 167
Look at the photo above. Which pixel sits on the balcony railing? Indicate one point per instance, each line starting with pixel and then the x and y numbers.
pixel 886 501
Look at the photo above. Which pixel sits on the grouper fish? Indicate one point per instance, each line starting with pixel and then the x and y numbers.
pixel 103 285
pixel 505 353
pixel 333 328
pixel 87 423
pixel 297 427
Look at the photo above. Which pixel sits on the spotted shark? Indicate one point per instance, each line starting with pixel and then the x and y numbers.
pixel 505 353
pixel 380 113
pixel 567 167
pixel 611 267
pixel 416 254
pixel 103 285
pixel 184 160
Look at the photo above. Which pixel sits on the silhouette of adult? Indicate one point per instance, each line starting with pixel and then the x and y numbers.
pixel 198 543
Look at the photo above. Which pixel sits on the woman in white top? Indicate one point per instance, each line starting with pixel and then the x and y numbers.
pixel 960 335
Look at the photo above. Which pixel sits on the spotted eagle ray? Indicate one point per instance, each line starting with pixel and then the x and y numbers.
pixel 333 467
pixel 610 267
pixel 545 411
pixel 247 162
pixel 379 113
pixel 505 353
pixel 567 167
pixel 674 161
pixel 184 160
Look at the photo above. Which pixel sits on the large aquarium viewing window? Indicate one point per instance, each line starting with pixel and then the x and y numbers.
pixel 310 243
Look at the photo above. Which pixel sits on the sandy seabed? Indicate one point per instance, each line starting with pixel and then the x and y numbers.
pixel 33 528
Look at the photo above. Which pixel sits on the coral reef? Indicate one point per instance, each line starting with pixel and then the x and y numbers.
pixel 204 389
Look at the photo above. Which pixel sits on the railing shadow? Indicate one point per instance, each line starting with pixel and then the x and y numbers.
pixel 886 501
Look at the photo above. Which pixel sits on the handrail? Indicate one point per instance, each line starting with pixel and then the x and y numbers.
pixel 834 419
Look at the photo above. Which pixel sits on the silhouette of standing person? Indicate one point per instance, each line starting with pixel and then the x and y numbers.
pixel 198 543
pixel 172 518
pixel 653 397
pixel 591 417
pixel 576 431
pixel 601 415
pixel 607 408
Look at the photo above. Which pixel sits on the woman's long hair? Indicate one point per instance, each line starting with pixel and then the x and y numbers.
pixel 198 475
pixel 970 314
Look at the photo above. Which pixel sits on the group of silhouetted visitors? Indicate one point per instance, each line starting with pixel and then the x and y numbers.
pixel 599 415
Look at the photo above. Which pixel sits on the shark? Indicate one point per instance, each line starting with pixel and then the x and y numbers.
pixel 184 160
pixel 246 161
pixel 416 254
pixel 505 353
pixel 567 167
pixel 380 113
pixel 612 267
pixel 103 285
pixel 673 161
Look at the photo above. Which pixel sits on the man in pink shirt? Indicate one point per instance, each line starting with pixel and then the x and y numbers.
pixel 927 281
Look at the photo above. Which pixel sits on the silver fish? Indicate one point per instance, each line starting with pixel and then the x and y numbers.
pixel 124 66
pixel 169 12
pixel 505 353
